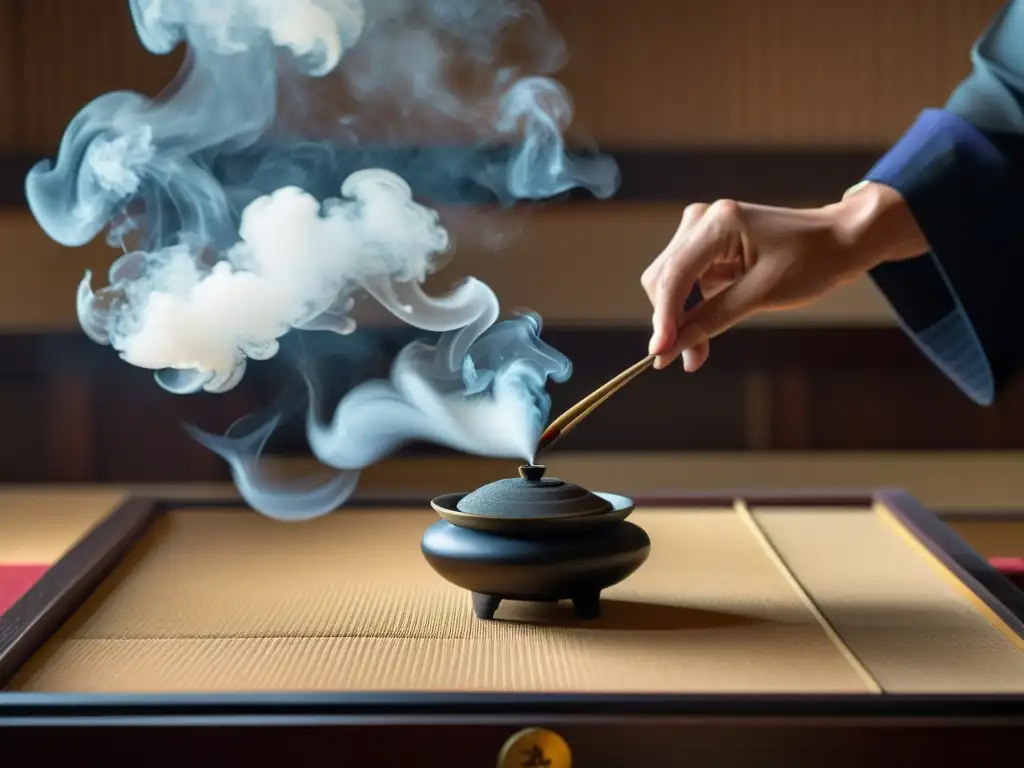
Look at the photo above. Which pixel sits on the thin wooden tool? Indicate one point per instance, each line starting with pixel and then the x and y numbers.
pixel 565 423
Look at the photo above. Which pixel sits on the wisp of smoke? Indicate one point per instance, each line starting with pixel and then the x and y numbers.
pixel 223 264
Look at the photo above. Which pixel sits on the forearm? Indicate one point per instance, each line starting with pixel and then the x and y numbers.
pixel 875 225
pixel 940 188
pixel 957 171
pixel 940 222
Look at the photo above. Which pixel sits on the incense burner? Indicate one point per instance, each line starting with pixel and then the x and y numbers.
pixel 536 539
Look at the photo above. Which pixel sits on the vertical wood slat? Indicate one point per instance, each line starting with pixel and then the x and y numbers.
pixel 11 96
pixel 791 410
pixel 757 410
pixel 74 52
pixel 69 423
pixel 82 416
pixel 654 72
pixel 23 449
pixel 1008 419
pixel 765 71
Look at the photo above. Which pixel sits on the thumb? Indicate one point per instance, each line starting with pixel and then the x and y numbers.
pixel 716 315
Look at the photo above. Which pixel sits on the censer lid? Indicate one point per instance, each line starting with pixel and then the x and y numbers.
pixel 531 495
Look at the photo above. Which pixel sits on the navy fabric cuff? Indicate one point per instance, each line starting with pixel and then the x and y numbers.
pixel 953 301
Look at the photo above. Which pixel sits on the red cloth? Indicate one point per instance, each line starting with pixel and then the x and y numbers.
pixel 1008 564
pixel 16 580
pixel 1011 567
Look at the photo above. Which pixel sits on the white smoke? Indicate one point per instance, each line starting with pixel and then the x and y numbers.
pixel 297 264
pixel 223 264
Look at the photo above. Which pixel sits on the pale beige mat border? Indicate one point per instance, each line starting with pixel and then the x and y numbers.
pixel 912 624
pixel 38 526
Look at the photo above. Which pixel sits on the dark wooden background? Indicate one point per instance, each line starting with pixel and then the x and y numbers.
pixel 764 389
pixel 783 101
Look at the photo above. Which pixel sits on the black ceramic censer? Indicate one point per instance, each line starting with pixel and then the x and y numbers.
pixel 536 539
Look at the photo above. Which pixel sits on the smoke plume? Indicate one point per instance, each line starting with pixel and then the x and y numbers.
pixel 263 193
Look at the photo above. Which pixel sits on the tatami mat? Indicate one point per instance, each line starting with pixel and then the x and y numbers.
pixel 220 600
pixel 778 601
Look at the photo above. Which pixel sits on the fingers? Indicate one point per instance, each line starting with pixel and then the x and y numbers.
pixel 714 236
pixel 696 356
pixel 664 320
pixel 649 279
pixel 719 275
pixel 716 315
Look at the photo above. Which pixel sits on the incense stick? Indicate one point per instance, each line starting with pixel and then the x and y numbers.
pixel 565 423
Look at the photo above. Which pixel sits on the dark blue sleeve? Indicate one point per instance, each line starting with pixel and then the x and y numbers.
pixel 961 171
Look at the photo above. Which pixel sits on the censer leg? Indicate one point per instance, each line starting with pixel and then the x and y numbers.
pixel 587 606
pixel 485 606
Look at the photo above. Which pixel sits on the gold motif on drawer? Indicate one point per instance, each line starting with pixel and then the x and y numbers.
pixel 535 748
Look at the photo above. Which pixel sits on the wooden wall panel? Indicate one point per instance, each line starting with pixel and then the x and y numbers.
pixel 38 277
pixel 643 72
pixel 764 71
pixel 73 52
pixel 74 412
pixel 647 72
pixel 25 448
pixel 573 265
pixel 650 74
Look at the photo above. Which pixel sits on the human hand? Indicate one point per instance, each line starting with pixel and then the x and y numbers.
pixel 748 259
